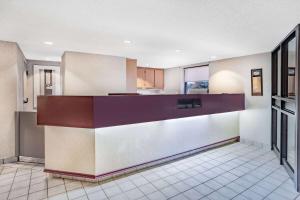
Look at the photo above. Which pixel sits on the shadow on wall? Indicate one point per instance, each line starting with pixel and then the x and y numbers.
pixel 226 81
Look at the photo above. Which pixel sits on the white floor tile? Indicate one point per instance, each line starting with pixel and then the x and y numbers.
pixel 156 196
pixel 193 194
pixel 147 188
pixel 18 193
pixel 134 194
pixel 62 196
pixel 56 190
pixel 236 171
pixel 126 186
pixel 170 191
pixel 73 194
pixel 38 195
pixel 111 191
pixel 98 195
pixel 203 189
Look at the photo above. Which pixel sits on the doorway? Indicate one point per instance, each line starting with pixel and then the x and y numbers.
pixel 285 101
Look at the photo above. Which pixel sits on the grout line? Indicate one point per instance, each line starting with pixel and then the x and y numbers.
pixel 12 183
pixel 29 183
pixel 258 157
pixel 86 194
pixel 47 187
pixel 211 178
pixel 65 188
pixel 198 173
pixel 277 188
pixel 258 149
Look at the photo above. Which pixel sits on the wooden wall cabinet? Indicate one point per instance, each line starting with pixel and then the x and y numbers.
pixel 140 77
pixel 159 78
pixel 150 78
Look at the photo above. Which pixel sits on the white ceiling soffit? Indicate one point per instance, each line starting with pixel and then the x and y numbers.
pixel 164 33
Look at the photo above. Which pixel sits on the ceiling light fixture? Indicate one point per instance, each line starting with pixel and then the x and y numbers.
pixel 127 41
pixel 48 43
pixel 213 57
pixel 178 51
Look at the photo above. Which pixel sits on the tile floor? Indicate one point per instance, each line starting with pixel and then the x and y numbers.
pixel 236 171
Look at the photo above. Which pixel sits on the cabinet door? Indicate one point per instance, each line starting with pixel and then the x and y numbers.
pixel 159 78
pixel 140 81
pixel 149 78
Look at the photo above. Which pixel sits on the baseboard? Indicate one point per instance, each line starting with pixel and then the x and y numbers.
pixel 9 160
pixel 139 167
pixel 255 143
pixel 22 159
pixel 31 160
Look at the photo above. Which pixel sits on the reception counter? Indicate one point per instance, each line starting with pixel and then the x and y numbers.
pixel 98 137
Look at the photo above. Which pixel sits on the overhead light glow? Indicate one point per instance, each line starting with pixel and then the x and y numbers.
pixel 127 41
pixel 213 57
pixel 178 51
pixel 48 43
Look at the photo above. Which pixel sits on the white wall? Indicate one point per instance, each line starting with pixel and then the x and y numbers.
pixel 234 76
pixel 12 67
pixel 93 74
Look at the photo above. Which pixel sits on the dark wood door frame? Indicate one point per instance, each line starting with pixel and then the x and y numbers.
pixel 283 99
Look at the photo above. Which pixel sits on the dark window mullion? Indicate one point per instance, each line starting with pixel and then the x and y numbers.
pixel 297 91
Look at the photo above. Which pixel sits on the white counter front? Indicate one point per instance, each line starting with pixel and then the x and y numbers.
pixel 104 152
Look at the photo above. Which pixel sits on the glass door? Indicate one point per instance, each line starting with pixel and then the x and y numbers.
pixel 285 101
pixel 290 106
pixel 276 100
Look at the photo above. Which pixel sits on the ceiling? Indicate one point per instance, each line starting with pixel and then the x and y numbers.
pixel 163 33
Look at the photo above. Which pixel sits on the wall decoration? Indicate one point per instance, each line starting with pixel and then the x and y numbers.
pixel 291 71
pixel 46 81
pixel 256 82
pixel 291 81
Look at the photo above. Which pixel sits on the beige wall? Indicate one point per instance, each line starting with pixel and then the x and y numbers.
pixel 93 74
pixel 12 66
pixel 173 80
pixel 131 75
pixel 234 76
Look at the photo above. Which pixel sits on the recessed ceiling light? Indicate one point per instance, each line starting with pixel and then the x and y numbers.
pixel 48 43
pixel 147 65
pixel 178 51
pixel 213 57
pixel 127 41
